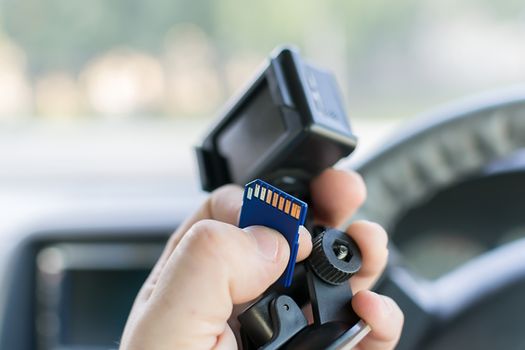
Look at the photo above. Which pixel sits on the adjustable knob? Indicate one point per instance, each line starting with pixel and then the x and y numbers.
pixel 335 256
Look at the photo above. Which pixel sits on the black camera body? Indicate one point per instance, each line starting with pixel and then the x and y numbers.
pixel 286 127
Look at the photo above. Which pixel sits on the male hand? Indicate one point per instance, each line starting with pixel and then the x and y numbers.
pixel 210 265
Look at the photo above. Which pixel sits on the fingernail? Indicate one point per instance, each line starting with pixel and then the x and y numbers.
pixel 388 305
pixel 267 244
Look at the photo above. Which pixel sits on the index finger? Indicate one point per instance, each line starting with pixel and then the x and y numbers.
pixel 224 205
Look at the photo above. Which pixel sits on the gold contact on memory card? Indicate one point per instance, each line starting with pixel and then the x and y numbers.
pixel 274 199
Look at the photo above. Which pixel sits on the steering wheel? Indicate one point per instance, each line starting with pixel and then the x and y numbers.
pixel 451 193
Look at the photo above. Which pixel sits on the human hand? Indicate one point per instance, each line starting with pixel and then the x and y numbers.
pixel 210 265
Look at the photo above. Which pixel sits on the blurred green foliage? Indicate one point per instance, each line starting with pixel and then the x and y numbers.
pixel 407 54
pixel 66 33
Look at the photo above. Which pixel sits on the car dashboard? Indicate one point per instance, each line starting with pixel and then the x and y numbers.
pixel 70 275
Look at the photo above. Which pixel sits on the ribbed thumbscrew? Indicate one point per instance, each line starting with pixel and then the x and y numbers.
pixel 335 256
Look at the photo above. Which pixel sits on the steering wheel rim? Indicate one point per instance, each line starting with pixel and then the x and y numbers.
pixel 495 122
pixel 438 151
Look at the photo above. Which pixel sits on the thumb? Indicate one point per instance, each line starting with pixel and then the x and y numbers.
pixel 215 266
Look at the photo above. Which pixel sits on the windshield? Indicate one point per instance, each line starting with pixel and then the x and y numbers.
pixel 98 89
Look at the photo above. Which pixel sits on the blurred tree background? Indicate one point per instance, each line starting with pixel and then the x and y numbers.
pixel 182 59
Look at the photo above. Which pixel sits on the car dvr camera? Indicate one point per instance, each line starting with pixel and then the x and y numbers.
pixel 285 128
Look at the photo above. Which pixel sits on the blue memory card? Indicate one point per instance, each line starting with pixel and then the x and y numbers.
pixel 265 205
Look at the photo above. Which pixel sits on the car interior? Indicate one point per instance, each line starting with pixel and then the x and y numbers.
pixel 90 195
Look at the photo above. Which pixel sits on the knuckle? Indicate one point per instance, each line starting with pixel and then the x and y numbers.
pixel 204 232
pixel 207 240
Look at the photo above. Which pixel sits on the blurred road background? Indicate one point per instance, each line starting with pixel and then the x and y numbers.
pixel 119 91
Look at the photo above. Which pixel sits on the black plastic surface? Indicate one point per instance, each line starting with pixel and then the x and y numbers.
pixel 285 128
pixel 326 264
pixel 276 321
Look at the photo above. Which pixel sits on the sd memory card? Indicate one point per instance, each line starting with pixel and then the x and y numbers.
pixel 265 205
